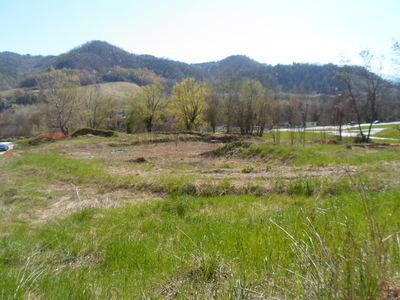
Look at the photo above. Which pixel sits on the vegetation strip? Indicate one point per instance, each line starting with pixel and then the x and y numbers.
pixel 249 219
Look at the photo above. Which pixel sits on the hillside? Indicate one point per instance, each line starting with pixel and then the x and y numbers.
pixel 312 78
pixel 119 90
pixel 15 67
pixel 99 62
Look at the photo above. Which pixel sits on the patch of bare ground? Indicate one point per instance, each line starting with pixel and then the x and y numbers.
pixel 150 161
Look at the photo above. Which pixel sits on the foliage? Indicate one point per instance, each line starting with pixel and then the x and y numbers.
pixel 15 67
pixel 313 78
pixel 231 148
pixel 147 108
pixel 247 170
pixel 251 107
pixel 188 103
pixel 242 94
pixel 114 64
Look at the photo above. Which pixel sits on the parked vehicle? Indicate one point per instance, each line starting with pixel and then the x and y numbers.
pixel 352 123
pixel 3 147
pixel 376 122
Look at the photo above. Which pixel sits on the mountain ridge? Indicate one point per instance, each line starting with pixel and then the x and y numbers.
pixel 99 61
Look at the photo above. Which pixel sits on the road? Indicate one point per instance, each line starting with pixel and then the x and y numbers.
pixel 349 131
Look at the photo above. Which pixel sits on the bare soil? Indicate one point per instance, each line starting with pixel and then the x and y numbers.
pixel 192 159
pixel 149 161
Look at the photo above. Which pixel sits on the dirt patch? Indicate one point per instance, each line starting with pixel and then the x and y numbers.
pixel 138 160
pixel 186 167
pixel 85 131
pixel 150 163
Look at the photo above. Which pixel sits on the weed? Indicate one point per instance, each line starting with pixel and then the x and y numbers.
pixel 247 170
pixel 231 148
pixel 175 205
pixel 348 263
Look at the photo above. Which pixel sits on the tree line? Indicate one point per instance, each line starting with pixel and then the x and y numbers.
pixel 230 103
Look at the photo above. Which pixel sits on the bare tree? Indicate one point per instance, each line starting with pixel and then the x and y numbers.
pixel 95 109
pixel 365 89
pixel 61 92
pixel 213 112
pixel 396 57
pixel 225 87
pixel 340 107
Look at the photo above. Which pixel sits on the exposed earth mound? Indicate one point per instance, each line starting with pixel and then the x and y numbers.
pixel 98 132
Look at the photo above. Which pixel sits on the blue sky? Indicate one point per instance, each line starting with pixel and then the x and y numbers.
pixel 272 32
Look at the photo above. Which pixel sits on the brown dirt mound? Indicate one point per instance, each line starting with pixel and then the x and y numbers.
pixel 137 160
pixel 84 131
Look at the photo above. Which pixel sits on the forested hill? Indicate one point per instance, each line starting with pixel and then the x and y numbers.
pixel 99 61
pixel 115 64
pixel 15 67
pixel 309 78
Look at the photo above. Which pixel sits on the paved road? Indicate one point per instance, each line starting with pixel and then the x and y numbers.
pixel 349 131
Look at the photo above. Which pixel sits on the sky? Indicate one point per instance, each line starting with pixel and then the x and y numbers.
pixel 272 32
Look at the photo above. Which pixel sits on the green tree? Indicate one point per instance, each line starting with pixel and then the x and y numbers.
pixel 188 103
pixel 146 107
pixel 251 106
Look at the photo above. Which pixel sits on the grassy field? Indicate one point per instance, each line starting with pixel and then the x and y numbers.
pixel 174 217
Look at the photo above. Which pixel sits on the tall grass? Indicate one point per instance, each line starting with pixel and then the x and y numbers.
pixel 50 166
pixel 307 238
pixel 313 154
pixel 339 247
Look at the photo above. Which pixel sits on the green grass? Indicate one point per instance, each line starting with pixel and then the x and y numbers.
pixel 307 237
pixel 309 154
pixel 203 247
pixel 298 136
pixel 391 133
pixel 52 166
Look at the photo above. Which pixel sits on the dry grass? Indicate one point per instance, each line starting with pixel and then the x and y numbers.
pixel 152 166
pixel 214 247
pixel 120 90
pixel 76 199
pixel 191 158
